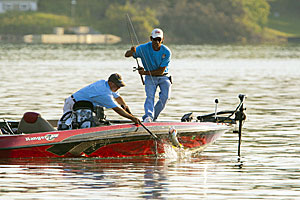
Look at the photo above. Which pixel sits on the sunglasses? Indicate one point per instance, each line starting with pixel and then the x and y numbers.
pixel 158 39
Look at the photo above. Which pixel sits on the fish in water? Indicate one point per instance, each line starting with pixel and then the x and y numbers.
pixel 173 137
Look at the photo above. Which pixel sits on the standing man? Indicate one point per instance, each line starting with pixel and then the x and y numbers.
pixel 103 93
pixel 155 58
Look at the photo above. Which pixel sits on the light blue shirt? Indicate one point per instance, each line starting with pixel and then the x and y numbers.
pixel 151 59
pixel 99 93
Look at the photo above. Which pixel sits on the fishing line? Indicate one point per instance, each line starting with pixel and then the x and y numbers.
pixel 138 43
pixel 137 40
pixel 137 62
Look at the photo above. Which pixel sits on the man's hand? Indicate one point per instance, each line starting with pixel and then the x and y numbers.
pixel 133 49
pixel 123 113
pixel 130 52
pixel 136 120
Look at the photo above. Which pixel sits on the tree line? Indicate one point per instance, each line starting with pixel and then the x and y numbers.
pixel 183 21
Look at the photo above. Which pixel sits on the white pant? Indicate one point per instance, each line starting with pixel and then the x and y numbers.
pixel 69 102
pixel 68 106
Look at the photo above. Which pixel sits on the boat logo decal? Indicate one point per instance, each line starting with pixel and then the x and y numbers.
pixel 48 137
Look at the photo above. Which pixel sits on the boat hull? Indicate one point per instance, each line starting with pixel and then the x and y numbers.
pixel 123 140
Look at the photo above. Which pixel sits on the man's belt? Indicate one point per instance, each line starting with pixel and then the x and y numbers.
pixel 164 74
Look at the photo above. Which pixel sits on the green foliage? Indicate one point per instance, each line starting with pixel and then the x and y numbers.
pixel 21 23
pixel 117 22
pixel 215 21
pixel 59 7
pixel 183 21
pixel 256 14
pixel 285 16
pixel 107 16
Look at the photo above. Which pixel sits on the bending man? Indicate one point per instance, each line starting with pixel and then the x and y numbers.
pixel 155 58
pixel 103 93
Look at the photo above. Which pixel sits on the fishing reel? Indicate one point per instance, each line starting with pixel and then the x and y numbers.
pixel 136 68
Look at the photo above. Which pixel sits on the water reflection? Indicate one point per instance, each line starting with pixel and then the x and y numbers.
pixel 38 78
pixel 146 176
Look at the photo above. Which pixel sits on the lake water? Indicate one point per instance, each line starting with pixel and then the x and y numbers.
pixel 39 77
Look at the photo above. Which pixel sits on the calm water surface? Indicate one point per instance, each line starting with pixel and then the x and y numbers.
pixel 39 77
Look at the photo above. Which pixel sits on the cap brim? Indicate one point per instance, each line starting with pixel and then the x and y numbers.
pixel 120 84
pixel 156 36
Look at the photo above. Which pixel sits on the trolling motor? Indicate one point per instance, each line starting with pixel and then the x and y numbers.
pixel 240 117
pixel 218 118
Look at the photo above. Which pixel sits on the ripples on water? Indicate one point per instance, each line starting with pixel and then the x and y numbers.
pixel 39 77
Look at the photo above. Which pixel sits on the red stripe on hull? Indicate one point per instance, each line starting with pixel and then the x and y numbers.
pixel 123 141
pixel 126 149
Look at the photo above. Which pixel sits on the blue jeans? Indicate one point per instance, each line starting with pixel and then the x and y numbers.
pixel 151 84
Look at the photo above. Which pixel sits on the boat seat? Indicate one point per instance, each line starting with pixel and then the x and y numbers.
pixel 83 105
pixel 32 122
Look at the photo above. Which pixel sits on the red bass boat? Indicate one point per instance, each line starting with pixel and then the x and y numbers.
pixel 114 138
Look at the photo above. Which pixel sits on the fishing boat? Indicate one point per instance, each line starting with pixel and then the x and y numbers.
pixel 34 136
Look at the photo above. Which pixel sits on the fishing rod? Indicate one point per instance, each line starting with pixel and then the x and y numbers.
pixel 137 62
pixel 152 134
